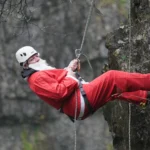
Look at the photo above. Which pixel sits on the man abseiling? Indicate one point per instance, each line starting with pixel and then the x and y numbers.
pixel 60 88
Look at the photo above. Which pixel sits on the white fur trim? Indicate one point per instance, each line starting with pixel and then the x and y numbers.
pixel 82 106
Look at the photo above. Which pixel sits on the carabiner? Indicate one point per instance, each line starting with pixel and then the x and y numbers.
pixel 78 53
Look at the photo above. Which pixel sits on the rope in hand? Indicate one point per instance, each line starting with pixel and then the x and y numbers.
pixel 78 53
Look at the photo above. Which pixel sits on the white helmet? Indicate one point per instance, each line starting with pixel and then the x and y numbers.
pixel 24 53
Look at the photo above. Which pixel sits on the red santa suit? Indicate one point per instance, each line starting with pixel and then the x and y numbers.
pixel 57 89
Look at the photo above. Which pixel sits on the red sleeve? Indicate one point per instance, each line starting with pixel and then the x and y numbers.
pixel 49 87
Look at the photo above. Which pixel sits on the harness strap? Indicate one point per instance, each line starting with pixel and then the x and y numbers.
pixel 90 109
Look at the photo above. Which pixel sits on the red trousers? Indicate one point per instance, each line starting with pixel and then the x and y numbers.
pixel 113 84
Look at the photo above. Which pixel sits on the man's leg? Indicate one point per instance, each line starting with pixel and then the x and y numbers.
pixel 99 91
pixel 137 97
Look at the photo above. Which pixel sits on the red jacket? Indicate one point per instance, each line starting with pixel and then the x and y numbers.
pixel 56 89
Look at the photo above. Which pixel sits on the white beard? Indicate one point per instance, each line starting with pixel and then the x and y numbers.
pixel 40 65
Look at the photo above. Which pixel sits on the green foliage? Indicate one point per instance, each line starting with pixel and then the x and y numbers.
pixel 33 141
pixel 26 144
pixel 124 58
pixel 121 4
pixel 107 2
pixel 110 147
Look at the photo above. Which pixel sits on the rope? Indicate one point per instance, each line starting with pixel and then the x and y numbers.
pixel 75 124
pixel 130 49
pixel 78 51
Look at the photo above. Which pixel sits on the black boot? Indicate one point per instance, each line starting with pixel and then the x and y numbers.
pixel 148 94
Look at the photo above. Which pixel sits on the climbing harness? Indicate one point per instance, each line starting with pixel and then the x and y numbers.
pixel 90 109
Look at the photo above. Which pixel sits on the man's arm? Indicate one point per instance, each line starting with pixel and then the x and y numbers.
pixel 51 88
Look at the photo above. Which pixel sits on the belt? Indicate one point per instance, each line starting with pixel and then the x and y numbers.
pixel 90 109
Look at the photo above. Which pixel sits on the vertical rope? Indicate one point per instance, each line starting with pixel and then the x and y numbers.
pixel 78 51
pixel 75 124
pixel 87 24
pixel 130 50
pixel 130 32
pixel 129 126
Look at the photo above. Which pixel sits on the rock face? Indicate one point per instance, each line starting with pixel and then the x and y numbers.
pixel 120 54
pixel 55 29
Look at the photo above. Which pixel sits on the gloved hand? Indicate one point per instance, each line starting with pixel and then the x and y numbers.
pixel 70 72
pixel 73 64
